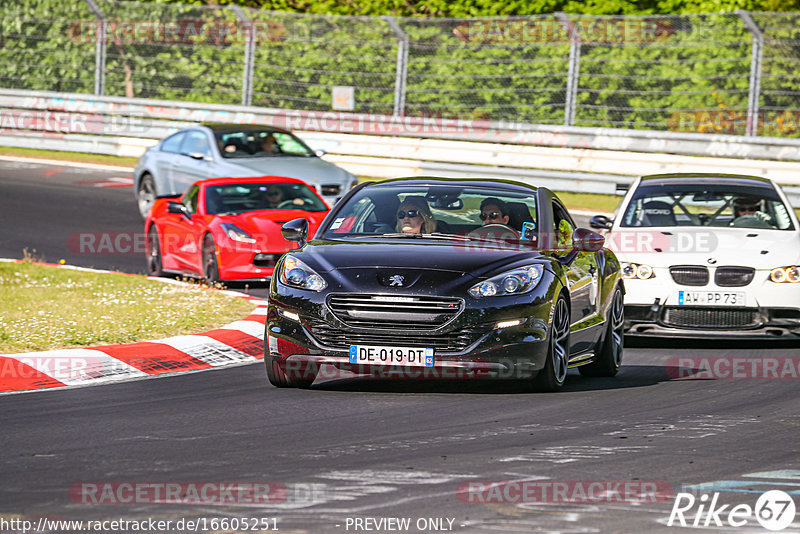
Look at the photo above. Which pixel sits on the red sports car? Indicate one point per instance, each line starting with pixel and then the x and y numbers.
pixel 228 228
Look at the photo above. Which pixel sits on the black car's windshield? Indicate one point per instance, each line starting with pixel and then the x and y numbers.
pixel 260 144
pixel 239 198
pixel 438 212
pixel 707 205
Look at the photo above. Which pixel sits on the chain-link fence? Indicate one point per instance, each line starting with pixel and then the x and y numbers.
pixel 723 73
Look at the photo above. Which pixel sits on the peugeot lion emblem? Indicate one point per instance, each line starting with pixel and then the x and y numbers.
pixel 396 280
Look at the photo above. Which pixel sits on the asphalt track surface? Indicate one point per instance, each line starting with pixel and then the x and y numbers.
pixel 373 449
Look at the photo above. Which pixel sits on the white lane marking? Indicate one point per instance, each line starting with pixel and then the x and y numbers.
pixel 394 477
pixel 78 366
pixel 37 161
pixel 253 328
pixel 84 269
pixel 207 349
pixel 787 474
pixel 261 310
pixel 687 428
pixel 570 453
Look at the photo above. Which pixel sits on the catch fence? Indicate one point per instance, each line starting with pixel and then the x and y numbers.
pixel 733 73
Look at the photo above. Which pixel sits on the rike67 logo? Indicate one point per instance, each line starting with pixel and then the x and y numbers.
pixel 774 510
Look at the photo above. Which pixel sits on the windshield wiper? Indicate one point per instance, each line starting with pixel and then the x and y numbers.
pixel 400 234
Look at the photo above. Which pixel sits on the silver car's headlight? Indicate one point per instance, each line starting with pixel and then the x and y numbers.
pixel 295 273
pixel 514 282
pixel 785 275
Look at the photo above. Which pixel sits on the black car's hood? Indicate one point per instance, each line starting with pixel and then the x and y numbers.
pixel 440 262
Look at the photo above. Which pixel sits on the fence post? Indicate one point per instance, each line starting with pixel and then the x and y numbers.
pixel 573 71
pixel 402 66
pixel 249 55
pixel 100 49
pixel 755 71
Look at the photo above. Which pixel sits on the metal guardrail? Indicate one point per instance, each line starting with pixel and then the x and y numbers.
pixel 563 158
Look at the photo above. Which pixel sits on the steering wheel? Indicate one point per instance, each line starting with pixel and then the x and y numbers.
pixel 495 232
pixel 292 202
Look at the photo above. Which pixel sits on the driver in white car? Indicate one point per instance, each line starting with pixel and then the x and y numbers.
pixel 748 213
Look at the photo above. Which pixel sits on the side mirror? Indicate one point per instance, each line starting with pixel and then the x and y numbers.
pixel 295 230
pixel 180 209
pixel 586 240
pixel 601 222
pixel 320 152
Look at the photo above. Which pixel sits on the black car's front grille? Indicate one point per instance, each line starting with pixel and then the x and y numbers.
pixel 330 190
pixel 710 317
pixel 733 276
pixel 455 341
pixel 689 275
pixel 394 312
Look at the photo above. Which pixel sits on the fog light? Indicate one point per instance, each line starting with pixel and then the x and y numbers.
pixel 507 324
pixel 289 315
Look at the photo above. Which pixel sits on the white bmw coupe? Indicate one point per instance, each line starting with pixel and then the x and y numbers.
pixel 707 254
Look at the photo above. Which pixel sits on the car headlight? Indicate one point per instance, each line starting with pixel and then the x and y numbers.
pixel 637 270
pixel 295 273
pixel 236 233
pixel 514 282
pixel 788 275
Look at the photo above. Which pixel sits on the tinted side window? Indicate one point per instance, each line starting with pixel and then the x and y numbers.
pixel 173 144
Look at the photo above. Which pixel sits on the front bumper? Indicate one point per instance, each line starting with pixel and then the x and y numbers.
pixel 653 308
pixel 659 321
pixel 469 346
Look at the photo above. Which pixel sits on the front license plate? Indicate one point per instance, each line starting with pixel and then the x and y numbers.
pixel 711 298
pixel 370 354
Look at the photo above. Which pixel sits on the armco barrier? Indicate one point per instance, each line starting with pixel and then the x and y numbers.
pixel 563 158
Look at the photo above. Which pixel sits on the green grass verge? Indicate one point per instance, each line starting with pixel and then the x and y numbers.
pixel 45 308
pixel 79 157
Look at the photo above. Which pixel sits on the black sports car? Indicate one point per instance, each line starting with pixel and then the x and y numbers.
pixel 445 278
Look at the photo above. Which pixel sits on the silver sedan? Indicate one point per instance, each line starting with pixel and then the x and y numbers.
pixel 223 150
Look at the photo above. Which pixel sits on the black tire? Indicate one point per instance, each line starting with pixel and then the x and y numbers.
pixel 155 265
pixel 609 358
pixel 210 266
pixel 554 374
pixel 146 194
pixel 276 374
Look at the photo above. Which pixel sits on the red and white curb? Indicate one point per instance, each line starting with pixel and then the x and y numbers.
pixel 238 343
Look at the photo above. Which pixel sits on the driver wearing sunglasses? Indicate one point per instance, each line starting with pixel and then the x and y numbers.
pixel 494 211
pixel 414 216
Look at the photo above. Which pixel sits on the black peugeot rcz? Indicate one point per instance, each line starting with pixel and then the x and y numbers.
pixel 445 278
